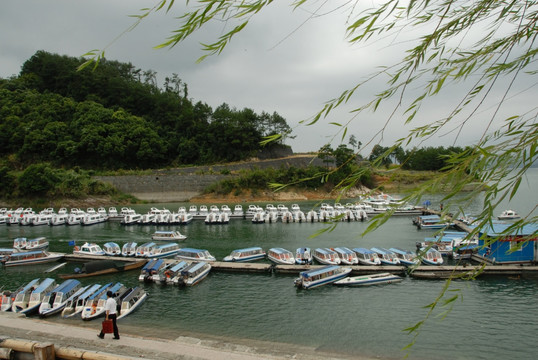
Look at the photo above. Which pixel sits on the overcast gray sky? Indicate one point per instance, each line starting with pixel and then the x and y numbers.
pixel 285 61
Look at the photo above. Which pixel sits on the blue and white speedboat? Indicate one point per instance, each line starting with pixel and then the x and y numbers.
pixel 326 256
pixel 89 303
pixel 31 258
pixel 194 273
pixel 112 249
pixel 387 257
pixel 168 236
pixel 347 256
pixel 81 294
pixel 247 254
pixel 319 277
pixel 22 297
pixel 55 301
pixel 93 312
pixel 164 250
pixel 431 257
pixel 406 257
pixel 129 249
pixel 172 274
pixel 150 269
pixel 192 254
pixel 37 296
pixel 365 280
pixel 132 301
pixel 280 256
pixel 367 256
pixel 145 249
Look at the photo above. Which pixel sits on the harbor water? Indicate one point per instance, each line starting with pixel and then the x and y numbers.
pixel 493 318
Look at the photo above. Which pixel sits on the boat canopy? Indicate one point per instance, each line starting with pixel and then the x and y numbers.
pixel 194 268
pixel 315 272
pixel 257 248
pixel 280 251
pixel 178 266
pixel 22 255
pixel 43 285
pixel 363 251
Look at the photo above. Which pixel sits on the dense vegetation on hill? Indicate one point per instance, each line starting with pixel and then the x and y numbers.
pixel 117 117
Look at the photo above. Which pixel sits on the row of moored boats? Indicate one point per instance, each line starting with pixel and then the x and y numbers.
pixel 46 298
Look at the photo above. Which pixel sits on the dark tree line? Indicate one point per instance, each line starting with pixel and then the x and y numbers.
pixel 116 117
pixel 428 158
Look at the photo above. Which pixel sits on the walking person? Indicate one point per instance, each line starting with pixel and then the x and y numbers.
pixel 111 314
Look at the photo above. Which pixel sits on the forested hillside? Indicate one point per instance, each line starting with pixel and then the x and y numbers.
pixel 117 117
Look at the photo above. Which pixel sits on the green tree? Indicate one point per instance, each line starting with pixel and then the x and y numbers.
pixel 37 179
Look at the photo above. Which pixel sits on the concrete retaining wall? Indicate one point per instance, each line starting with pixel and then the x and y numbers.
pixel 182 184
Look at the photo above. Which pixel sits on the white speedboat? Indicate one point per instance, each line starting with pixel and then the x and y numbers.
pixel 88 249
pixel 224 218
pixel 31 258
pixel 131 301
pixel 287 216
pixel 19 244
pixel 431 257
pixel 212 217
pixel 406 257
pixel 365 280
pixel 182 218
pixel 326 256
pixel 93 218
pixel 247 254
pixel 39 243
pixel 323 276
pixel 55 301
pixel 508 215
pixel 59 218
pixel 93 312
pixel 387 257
pixel 111 249
pixel 259 216
pixel 21 297
pixel 164 250
pixel 173 273
pixel 191 254
pixel 238 210
pixel 130 217
pixel 145 249
pixel 312 216
pixel 75 217
pixel 194 273
pixel 43 218
pixel 168 236
pixel 129 249
pixel 193 210
pixel 298 216
pixel 90 299
pixel 367 256
pixel 346 255
pixel 280 256
pixel 303 256
pixel 151 268
pixel 81 295
pixel 37 296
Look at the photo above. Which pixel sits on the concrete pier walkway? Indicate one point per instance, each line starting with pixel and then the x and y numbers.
pixel 82 340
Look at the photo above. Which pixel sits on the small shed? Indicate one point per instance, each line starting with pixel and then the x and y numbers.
pixel 517 248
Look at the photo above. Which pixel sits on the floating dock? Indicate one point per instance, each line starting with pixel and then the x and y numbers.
pixel 419 272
